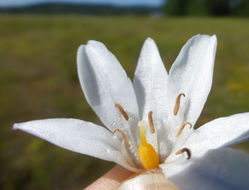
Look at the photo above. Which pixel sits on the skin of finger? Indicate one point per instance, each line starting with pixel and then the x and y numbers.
pixel 111 180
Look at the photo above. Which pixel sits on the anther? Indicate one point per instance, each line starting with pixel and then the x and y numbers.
pixel 178 101
pixel 121 110
pixel 151 123
pixel 123 136
pixel 182 127
pixel 184 150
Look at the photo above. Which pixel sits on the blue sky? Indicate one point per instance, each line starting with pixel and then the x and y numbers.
pixel 114 2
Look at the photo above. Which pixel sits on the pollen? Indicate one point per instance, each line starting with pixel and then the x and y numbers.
pixel 147 154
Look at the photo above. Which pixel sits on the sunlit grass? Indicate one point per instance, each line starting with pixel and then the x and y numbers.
pixel 38 79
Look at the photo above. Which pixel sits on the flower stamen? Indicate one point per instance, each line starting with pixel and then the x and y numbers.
pixel 184 150
pixel 182 127
pixel 151 123
pixel 121 110
pixel 178 101
pixel 123 136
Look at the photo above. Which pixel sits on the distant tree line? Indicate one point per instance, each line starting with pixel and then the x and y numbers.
pixel 73 8
pixel 206 7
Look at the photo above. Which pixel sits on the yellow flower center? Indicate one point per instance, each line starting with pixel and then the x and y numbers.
pixel 147 154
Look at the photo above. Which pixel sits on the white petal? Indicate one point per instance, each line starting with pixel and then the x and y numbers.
pixel 104 83
pixel 221 169
pixel 221 132
pixel 150 81
pixel 150 84
pixel 77 136
pixel 192 74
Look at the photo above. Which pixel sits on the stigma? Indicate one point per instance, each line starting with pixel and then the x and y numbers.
pixel 146 152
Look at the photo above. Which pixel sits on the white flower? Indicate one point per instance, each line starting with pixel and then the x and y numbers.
pixel 166 106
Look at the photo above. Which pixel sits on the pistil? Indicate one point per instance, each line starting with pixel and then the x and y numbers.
pixel 146 152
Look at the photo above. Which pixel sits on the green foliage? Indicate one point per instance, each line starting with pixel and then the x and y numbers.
pixel 240 8
pixel 185 7
pixel 38 79
pixel 197 8
pixel 218 8
pixel 207 7
pixel 176 7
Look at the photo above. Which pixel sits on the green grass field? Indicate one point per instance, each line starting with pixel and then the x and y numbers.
pixel 38 80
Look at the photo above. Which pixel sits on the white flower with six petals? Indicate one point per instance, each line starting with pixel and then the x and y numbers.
pixel 166 106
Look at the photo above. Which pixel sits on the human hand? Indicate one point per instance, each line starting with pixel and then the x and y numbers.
pixel 117 175
pixel 111 180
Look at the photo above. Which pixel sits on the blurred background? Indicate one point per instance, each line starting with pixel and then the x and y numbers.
pixel 38 77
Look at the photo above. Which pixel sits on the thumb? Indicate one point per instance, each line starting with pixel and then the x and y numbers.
pixel 111 180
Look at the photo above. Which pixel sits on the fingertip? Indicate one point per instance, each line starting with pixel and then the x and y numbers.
pixel 111 180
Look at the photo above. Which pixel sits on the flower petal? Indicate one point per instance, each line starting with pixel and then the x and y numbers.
pixel 192 74
pixel 78 136
pixel 105 83
pixel 150 85
pixel 221 132
pixel 150 81
pixel 221 169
